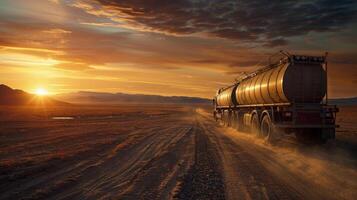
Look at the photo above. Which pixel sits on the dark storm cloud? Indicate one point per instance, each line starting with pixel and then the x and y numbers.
pixel 276 42
pixel 246 62
pixel 263 21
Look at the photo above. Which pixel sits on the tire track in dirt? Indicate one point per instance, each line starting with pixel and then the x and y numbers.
pixel 157 179
pixel 244 176
pixel 203 180
pixel 254 170
pixel 115 174
pixel 52 176
pixel 54 179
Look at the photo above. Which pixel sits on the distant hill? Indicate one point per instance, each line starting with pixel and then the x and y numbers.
pixel 344 101
pixel 115 98
pixel 9 96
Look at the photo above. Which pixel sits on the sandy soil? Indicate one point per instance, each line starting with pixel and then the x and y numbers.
pixel 164 152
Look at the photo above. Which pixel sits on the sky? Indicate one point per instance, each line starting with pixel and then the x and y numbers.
pixel 166 47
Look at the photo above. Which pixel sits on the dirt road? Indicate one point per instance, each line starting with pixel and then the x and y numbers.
pixel 171 154
pixel 253 169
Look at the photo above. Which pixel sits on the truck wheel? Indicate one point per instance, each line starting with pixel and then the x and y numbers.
pixel 267 130
pixel 229 119
pixel 238 123
pixel 234 121
pixel 225 119
pixel 254 126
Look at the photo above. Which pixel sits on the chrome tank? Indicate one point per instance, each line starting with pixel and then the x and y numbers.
pixel 227 97
pixel 294 83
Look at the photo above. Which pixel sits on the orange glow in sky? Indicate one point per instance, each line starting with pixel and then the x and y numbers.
pixel 133 47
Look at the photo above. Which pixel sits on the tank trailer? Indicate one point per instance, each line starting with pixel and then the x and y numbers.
pixel 288 96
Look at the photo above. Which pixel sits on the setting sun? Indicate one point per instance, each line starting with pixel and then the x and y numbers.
pixel 41 92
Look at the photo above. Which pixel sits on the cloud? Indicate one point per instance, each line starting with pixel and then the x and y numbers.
pixel 123 43
pixel 276 42
pixel 57 31
pixel 260 21
pixel 73 66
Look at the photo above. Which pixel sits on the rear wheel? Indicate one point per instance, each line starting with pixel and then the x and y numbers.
pixel 254 126
pixel 268 131
pixel 229 119
pixel 239 123
pixel 234 121
pixel 226 118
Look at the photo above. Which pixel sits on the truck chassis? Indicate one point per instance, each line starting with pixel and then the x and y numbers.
pixel 311 123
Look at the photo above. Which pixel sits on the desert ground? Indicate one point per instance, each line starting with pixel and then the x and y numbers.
pixel 164 152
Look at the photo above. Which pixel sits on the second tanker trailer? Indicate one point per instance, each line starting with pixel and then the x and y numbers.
pixel 284 97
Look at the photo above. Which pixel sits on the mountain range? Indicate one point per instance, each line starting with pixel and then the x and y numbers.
pixel 114 98
pixel 9 96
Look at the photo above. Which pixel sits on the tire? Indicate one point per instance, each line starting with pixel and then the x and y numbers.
pixel 225 119
pixel 229 119
pixel 238 123
pixel 254 125
pixel 268 131
pixel 234 121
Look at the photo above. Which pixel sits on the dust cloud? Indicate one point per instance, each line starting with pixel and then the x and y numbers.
pixel 324 169
pixel 328 169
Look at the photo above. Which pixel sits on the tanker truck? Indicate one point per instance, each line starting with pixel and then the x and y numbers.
pixel 288 96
